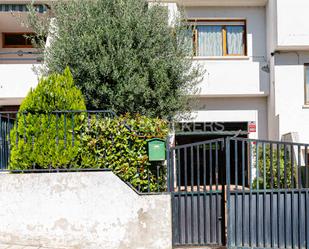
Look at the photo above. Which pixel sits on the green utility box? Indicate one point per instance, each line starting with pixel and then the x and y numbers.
pixel 156 149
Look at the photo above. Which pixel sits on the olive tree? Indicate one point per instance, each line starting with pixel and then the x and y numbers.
pixel 124 54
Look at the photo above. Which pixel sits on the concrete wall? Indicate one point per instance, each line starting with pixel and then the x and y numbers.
pixel 81 210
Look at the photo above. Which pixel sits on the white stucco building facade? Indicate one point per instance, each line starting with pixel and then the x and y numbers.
pixel 254 73
pixel 265 84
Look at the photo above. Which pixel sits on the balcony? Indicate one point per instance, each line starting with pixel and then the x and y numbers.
pixel 234 78
pixel 17 75
pixel 239 3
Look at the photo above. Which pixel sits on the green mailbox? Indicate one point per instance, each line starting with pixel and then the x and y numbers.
pixel 156 149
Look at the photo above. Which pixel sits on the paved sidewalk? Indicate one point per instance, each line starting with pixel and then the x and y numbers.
pixel 7 246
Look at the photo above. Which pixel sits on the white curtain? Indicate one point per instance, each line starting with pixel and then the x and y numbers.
pixel 209 41
pixel 235 43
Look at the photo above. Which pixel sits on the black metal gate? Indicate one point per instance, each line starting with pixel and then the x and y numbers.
pixel 240 193
pixel 198 193
pixel 269 205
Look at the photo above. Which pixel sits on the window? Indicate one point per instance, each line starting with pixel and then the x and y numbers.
pixel 16 40
pixel 219 38
pixel 307 84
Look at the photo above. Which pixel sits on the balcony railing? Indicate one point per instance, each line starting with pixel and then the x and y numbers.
pixel 26 56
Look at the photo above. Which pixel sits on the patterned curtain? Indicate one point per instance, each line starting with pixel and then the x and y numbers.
pixel 209 41
pixel 235 43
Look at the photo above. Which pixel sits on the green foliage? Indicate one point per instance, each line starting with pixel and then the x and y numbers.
pixel 93 142
pixel 274 168
pixel 123 54
pixel 108 143
pixel 40 139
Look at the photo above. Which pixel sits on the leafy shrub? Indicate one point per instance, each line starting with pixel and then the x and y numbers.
pixel 40 139
pixel 120 144
pixel 45 139
pixel 274 169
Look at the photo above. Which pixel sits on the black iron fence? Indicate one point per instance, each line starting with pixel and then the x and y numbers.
pixel 63 141
pixel 240 193
pixel 267 194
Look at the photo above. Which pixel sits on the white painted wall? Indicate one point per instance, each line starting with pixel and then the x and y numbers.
pixel 293 24
pixel 239 75
pixel 289 98
pixel 233 110
pixel 81 211
pixel 16 81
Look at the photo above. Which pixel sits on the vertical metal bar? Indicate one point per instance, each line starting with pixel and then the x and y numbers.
pixel 306 168
pixel 186 169
pixel 2 166
pixel 217 194
pixel 198 194
pixel 272 233
pixel 96 127
pixel 292 218
pixel 172 170
pixel 205 196
pixel 299 167
pixel 292 168
pixel 299 195
pixel 307 217
pixel 57 130
pixel 278 166
pixel 216 165
pixel 192 170
pixel 65 129
pixel 210 164
pixel 292 196
pixel 250 195
pixel 236 190
pixel 264 194
pixel 24 130
pixel 9 139
pixel 271 166
pixel 158 177
pixel 186 197
pixel 192 194
pixel 73 128
pixel 204 166
pixel 16 125
pixel 278 193
pixel 285 166
pixel 285 195
pixel 228 183
pixel 178 164
pixel 168 153
pixel 243 192
pixel 257 194
pixel 210 197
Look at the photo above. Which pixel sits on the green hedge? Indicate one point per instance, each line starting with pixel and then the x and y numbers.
pixel 274 169
pixel 43 139
pixel 108 143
